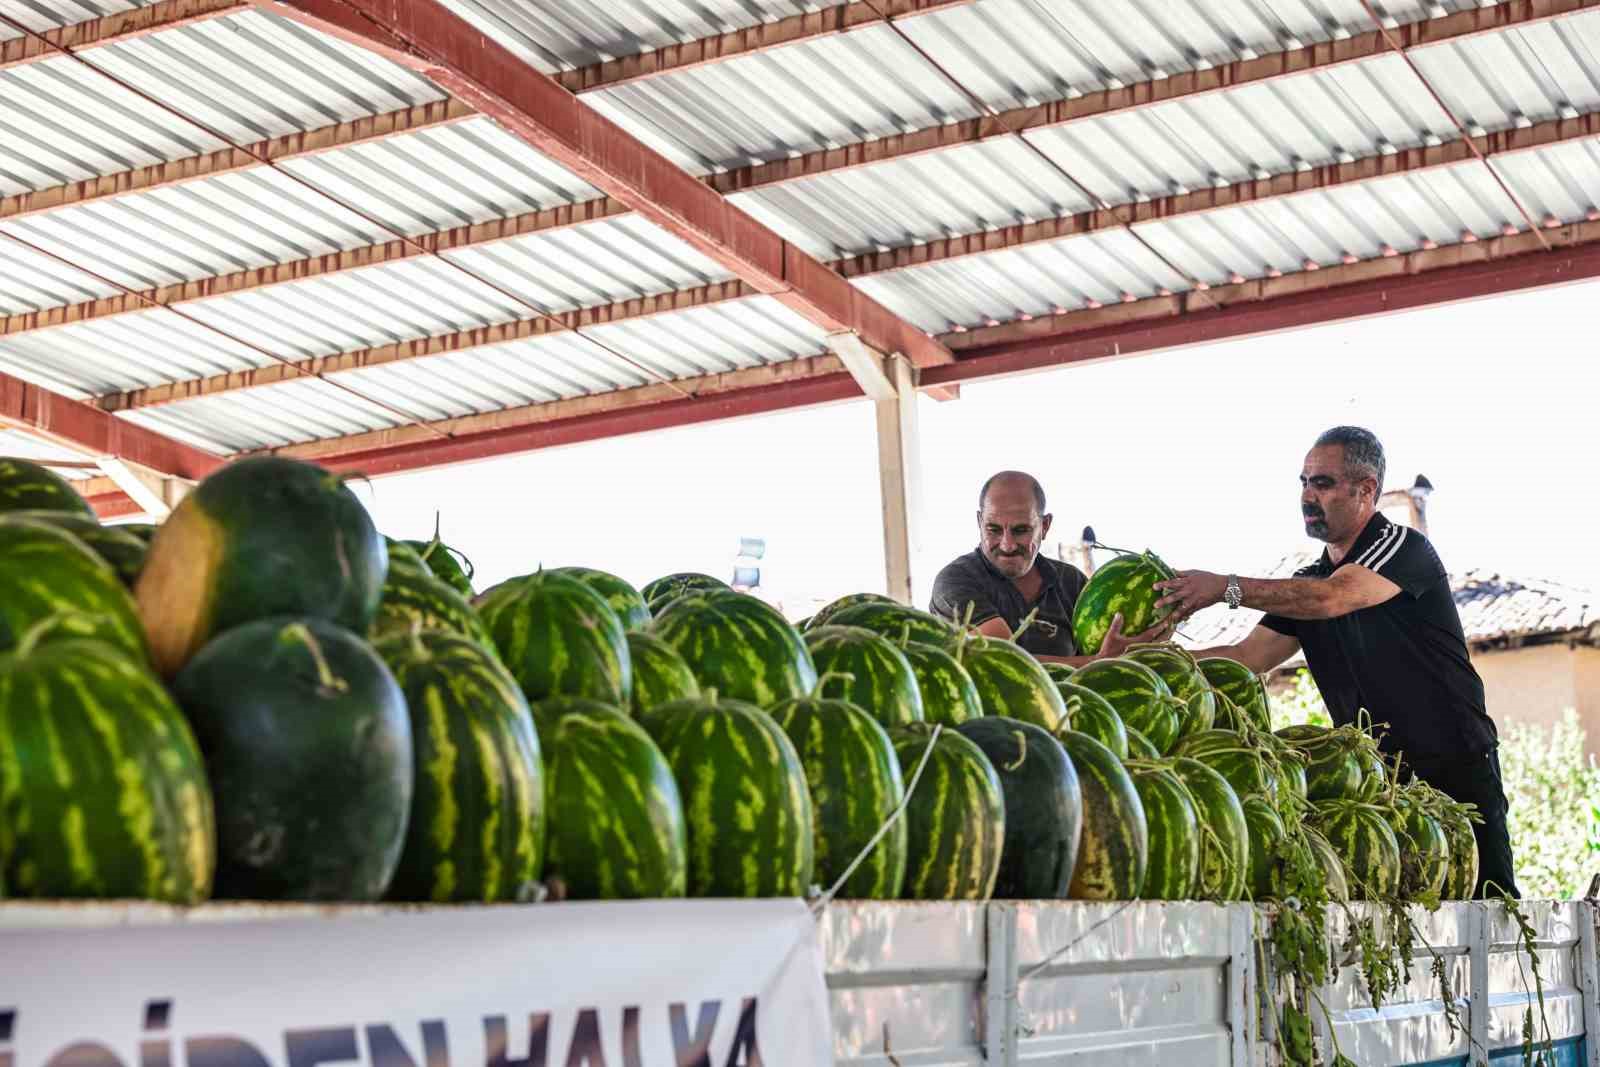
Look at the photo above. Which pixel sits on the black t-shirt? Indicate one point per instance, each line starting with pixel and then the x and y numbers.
pixel 973 579
pixel 1405 661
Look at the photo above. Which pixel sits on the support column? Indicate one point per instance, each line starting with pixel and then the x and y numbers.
pixel 899 477
pixel 155 493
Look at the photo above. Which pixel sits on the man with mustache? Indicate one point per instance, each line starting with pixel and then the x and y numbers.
pixel 1380 631
pixel 1005 579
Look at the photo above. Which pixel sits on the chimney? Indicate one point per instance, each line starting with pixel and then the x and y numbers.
pixel 1414 500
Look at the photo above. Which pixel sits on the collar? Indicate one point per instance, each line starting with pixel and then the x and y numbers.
pixel 1369 533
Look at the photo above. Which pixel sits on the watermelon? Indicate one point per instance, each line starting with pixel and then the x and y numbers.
pixel 449 565
pixel 1224 834
pixel 403 556
pixel 660 676
pixel 617 827
pixel 855 785
pixel 1374 773
pixel 1302 733
pixel 558 638
pixel 1172 822
pixel 745 799
pixel 1010 682
pixel 415 599
pixel 1362 837
pixel 308 744
pixel 827 611
pixel 663 591
pixel 260 537
pixel 1060 672
pixel 738 646
pixel 1090 713
pixel 948 693
pixel 896 622
pixel 1334 767
pixel 1197 709
pixel 1424 848
pixel 1248 770
pixel 1114 851
pixel 1289 786
pixel 101 783
pixel 1240 685
pixel 1139 746
pixel 1043 805
pixel 860 666
pixel 48 574
pixel 144 531
pixel 1268 839
pixel 1331 865
pixel 955 817
pixel 623 598
pixel 122 550
pixel 1461 876
pixel 477 824
pixel 1126 585
pixel 26 486
pixel 1138 695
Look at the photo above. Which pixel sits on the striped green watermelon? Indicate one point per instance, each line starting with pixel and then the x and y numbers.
pixel 860 666
pixel 1362 837
pixel 558 638
pixel 737 645
pixel 1043 805
pixel 855 786
pixel 261 537
pixel 46 573
pixel 1114 852
pixel 1375 776
pixel 896 622
pixel 1301 733
pixel 1172 819
pixel 1248 769
pixel 624 599
pixel 660 675
pixel 1125 585
pixel 1139 746
pixel 26 486
pixel 121 549
pixel 663 591
pixel 745 801
pixel 617 821
pixel 955 818
pixel 1138 694
pixel 1332 866
pixel 948 693
pixel 1224 834
pixel 1090 713
pixel 449 565
pixel 1289 786
pixel 144 531
pixel 101 783
pixel 1461 877
pixel 1241 686
pixel 415 599
pixel 477 824
pixel 1334 768
pixel 1010 682
pixel 402 555
pixel 1424 848
pixel 307 741
pixel 1268 840
pixel 1060 672
pixel 1197 709
pixel 849 600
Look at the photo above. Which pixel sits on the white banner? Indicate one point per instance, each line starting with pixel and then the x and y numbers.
pixel 649 984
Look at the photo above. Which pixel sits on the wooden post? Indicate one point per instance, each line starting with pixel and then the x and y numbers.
pixel 899 476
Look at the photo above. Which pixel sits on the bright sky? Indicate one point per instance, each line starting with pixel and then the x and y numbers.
pixel 1194 454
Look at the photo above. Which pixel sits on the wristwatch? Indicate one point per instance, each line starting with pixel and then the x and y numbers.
pixel 1233 594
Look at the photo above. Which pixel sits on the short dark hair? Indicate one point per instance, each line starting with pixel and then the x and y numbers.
pixel 1032 482
pixel 1362 450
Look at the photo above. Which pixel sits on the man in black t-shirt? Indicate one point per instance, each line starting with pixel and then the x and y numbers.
pixel 1005 578
pixel 1380 632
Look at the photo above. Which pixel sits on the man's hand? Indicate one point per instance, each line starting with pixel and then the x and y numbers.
pixel 1116 642
pixel 1190 591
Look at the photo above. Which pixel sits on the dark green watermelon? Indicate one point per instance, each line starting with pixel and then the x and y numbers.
pixel 261 537
pixel 1361 835
pixel 477 825
pixel 1224 835
pixel 1424 848
pixel 101 783
pixel 1197 704
pixel 1172 821
pixel 308 745
pixel 1043 804
pixel 1240 685
pixel 1113 855
pixel 1138 695
pixel 415 599
pixel 1090 713
pixel 623 598
pixel 617 828
pixel 660 675
pixel 49 577
pixel 737 646
pixel 663 591
pixel 1334 767
pixel 855 786
pixel 864 668
pixel 122 550
pixel 827 611
pixel 449 565
pixel 1010 682
pixel 26 486
pixel 955 817
pixel 948 694
pixel 1268 839
pixel 745 800
pixel 896 622
pixel 558 638
pixel 1139 746
pixel 1125 585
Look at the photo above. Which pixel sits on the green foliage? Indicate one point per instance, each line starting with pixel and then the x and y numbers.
pixel 1299 702
pixel 1554 792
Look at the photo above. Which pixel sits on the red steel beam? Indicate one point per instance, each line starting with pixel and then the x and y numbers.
pixel 110 29
pixel 83 426
pixel 429 37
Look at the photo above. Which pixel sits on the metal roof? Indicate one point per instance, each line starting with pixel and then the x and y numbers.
pixel 244 233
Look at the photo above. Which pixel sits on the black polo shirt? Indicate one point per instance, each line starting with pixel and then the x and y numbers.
pixel 973 579
pixel 1405 661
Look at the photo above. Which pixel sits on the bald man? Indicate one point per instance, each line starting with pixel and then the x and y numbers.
pixel 1004 578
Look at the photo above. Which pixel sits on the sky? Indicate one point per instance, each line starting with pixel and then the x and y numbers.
pixel 1193 453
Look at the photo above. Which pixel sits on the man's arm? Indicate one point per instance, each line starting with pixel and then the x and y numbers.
pixel 1262 649
pixel 1350 588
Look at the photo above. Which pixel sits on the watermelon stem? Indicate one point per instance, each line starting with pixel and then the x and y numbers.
pixel 843 676
pixel 327 681
pixel 1022 628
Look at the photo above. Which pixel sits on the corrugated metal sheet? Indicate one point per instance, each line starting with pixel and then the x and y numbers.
pixel 20 445
pixel 43 15
pixel 713 339
pixel 1562 180
pixel 302 410
pixel 1527 74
